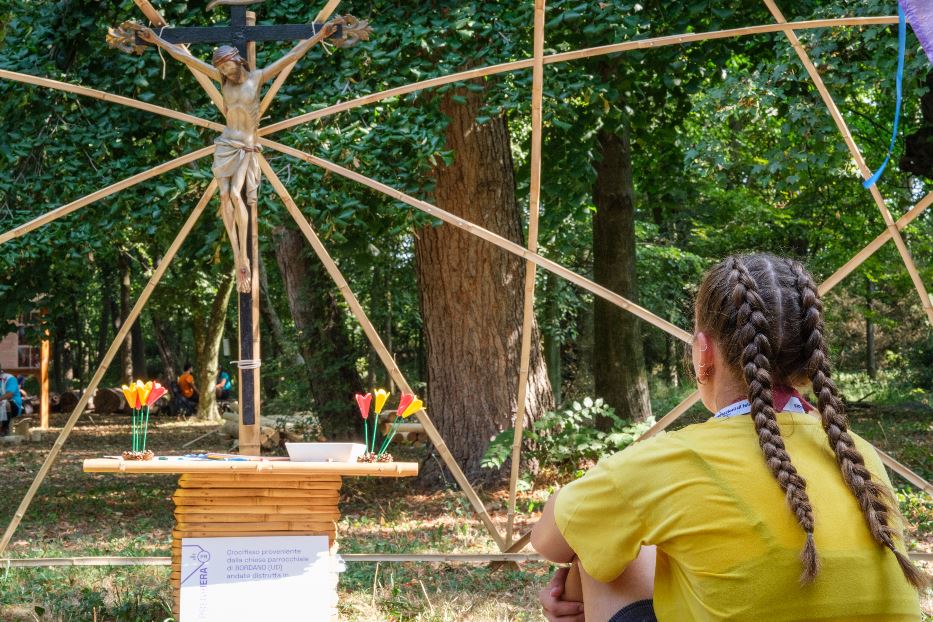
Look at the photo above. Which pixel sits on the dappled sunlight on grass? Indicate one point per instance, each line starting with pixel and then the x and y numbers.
pixel 79 514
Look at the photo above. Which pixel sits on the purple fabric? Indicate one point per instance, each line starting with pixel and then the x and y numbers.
pixel 920 16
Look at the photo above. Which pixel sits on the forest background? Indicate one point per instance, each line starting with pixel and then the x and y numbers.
pixel 656 164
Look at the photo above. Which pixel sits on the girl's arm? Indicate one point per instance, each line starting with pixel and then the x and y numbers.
pixel 547 539
pixel 297 52
pixel 177 52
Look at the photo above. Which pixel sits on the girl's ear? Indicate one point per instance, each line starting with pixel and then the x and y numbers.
pixel 703 354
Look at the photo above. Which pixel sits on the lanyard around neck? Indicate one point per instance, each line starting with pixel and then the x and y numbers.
pixel 743 407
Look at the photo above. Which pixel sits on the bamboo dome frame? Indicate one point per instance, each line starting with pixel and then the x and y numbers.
pixel 507 543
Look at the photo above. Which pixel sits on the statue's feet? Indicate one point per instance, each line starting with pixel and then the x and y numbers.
pixel 244 282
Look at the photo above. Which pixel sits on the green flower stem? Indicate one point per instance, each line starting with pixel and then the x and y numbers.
pixel 375 431
pixel 366 433
pixel 145 428
pixel 390 435
pixel 134 430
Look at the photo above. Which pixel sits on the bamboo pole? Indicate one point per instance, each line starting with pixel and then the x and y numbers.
pixel 489 236
pixel 64 210
pixel 156 19
pixel 905 472
pixel 25 78
pixel 625 46
pixel 904 253
pixel 384 355
pixel 322 16
pixel 874 245
pixel 105 363
pixel 857 157
pixel 50 562
pixel 515 547
pixel 449 558
pixel 534 205
pixel 672 416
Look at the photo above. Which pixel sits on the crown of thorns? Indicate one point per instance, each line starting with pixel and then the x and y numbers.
pixel 225 53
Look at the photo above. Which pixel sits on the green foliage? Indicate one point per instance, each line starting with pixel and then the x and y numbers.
pixel 917 508
pixel 891 385
pixel 733 150
pixel 568 440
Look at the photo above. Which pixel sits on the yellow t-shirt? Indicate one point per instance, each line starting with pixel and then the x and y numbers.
pixel 728 545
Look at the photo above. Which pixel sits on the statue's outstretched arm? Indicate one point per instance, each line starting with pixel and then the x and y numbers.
pixel 298 52
pixel 177 52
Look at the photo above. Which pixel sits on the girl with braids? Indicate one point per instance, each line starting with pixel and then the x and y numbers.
pixel 770 510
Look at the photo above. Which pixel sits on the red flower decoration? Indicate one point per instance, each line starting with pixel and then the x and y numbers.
pixel 403 403
pixel 157 391
pixel 364 402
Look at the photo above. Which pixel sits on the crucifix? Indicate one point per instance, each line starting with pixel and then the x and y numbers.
pixel 236 159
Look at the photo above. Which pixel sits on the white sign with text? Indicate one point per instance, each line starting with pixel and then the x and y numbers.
pixel 281 578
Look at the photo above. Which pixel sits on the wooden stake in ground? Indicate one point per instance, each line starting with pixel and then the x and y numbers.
pixel 105 363
pixel 44 384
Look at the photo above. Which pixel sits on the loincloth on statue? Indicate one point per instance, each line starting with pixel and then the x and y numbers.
pixel 229 158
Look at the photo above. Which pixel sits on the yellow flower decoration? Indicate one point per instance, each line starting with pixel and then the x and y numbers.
pixel 381 396
pixel 129 392
pixel 412 408
pixel 142 392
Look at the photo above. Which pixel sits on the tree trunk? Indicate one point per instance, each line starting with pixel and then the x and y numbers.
pixel 618 358
pixel 139 350
pixel 674 360
pixel 126 350
pixel 103 329
pixel 271 317
pixel 80 359
pixel 918 146
pixel 164 340
pixel 323 340
pixel 471 294
pixel 208 334
pixel 58 341
pixel 552 342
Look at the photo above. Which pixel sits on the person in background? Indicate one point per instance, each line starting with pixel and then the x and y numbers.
pixel 224 384
pixel 186 385
pixel 11 401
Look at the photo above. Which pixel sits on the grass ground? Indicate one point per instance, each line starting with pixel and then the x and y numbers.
pixel 76 514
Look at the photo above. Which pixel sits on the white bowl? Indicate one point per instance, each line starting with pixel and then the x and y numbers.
pixel 325 452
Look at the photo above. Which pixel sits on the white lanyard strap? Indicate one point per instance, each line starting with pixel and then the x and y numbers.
pixel 742 407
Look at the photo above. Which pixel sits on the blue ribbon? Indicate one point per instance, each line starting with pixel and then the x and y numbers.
pixel 901 45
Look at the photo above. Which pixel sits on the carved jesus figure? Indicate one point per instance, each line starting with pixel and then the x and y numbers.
pixel 236 159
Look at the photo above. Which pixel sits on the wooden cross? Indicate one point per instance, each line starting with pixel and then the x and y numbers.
pixel 239 33
pixel 243 34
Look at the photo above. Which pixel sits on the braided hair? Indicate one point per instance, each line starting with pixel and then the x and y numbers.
pixel 767 316
pixel 874 499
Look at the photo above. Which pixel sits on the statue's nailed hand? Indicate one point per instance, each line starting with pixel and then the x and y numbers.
pixel 354 30
pixel 123 37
